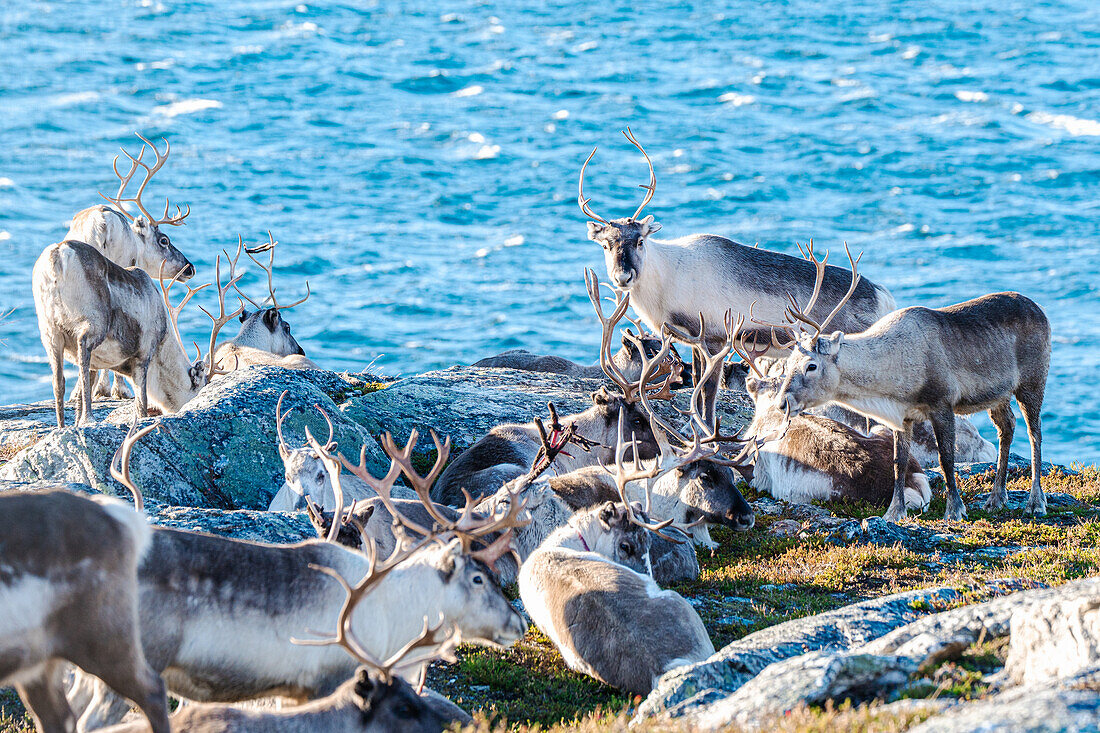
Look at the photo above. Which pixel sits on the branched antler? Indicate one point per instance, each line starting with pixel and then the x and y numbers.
pixel 150 171
pixel 269 268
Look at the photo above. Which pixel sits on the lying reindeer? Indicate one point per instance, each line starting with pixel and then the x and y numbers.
pixel 598 604
pixel 68 593
pixel 265 336
pixel 819 459
pixel 307 479
pixel 928 364
pixel 970 446
pixel 132 241
pixel 218 615
pixel 99 315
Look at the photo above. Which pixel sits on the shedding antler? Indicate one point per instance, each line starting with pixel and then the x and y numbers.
pixel 150 171
pixel 269 268
pixel 122 460
pixel 222 317
pixel 174 311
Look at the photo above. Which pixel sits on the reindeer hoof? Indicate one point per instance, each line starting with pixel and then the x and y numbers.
pixel 955 512
pixel 995 502
pixel 895 514
pixel 120 392
pixel 1036 508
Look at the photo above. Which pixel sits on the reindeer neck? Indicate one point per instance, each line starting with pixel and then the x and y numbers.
pixel 413 578
pixel 169 381
pixel 869 387
pixel 647 296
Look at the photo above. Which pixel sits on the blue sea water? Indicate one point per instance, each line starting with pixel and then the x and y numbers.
pixel 418 161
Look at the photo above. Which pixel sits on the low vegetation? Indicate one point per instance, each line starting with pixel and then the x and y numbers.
pixel 756 579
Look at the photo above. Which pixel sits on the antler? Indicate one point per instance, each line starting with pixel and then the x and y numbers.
pixel 174 311
pixel 651 187
pixel 269 268
pixel 150 171
pixel 580 193
pixel 222 318
pixel 622 302
pixel 122 459
pixel 796 313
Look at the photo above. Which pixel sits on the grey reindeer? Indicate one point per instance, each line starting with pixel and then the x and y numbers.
pixel 218 615
pixel 100 315
pixel 132 241
pixel 68 594
pixel 675 280
pixel 922 363
pixel 264 336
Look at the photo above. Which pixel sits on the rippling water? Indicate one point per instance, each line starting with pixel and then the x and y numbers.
pixel 419 165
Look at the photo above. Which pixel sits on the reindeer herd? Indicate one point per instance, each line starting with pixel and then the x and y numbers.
pixel 590 513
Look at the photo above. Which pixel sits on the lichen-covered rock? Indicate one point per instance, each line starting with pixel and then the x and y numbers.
pixel 278 528
pixel 466 402
pixel 219 451
pixel 1056 637
pixel 809 679
pixel 842 629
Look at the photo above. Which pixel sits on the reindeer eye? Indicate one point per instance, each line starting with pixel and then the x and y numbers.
pixel 478 580
pixel 626 548
pixel 811 367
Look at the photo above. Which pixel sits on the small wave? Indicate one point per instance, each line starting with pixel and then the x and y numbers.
pixel 186 107
pixel 964 95
pixel 736 100
pixel 1076 126
pixel 71 100
pixel 6 182
pixel 471 91
pixel 5 236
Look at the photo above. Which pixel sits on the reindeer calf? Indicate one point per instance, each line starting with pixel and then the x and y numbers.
pixel 68 593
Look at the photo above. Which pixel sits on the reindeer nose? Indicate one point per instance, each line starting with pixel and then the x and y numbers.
pixel 188 271
pixel 623 278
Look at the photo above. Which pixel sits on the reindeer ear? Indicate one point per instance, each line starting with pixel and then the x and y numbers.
pixel 595 229
pixel 601 396
pixel 752 384
pixel 244 315
pixel 608 514
pixel 366 690
pixel 649 226
pixel 271 319
pixel 829 345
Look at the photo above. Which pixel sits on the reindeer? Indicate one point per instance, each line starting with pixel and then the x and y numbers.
pixel 99 315
pixel 132 241
pixel 970 446
pixel 670 281
pixel 68 593
pixel 815 458
pixel 307 478
pixel 218 615
pixel 929 364
pixel 265 336
pixel 589 590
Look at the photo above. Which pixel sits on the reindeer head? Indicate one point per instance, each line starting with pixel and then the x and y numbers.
pixel 618 537
pixel 473 599
pixel 607 406
pixel 812 373
pixel 156 252
pixel 306 476
pixel 623 240
pixel 709 491
pixel 390 703
pixel 265 328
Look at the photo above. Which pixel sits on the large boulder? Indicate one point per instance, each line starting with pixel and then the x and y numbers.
pixel 466 402
pixel 219 451
pixel 1056 637
pixel 740 661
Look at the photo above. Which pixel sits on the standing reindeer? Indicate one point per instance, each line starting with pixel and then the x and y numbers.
pixel 265 336
pixel 100 315
pixel 929 364
pixel 68 593
pixel 218 615
pixel 132 241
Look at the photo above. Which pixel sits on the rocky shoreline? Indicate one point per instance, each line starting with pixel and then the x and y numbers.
pixel 214 466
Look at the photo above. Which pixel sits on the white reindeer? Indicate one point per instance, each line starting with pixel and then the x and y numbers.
pixel 132 241
pixel 218 615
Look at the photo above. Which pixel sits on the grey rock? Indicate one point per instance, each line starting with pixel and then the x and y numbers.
pixel 842 629
pixel 1055 638
pixel 808 679
pixel 1021 710
pixel 875 531
pixel 219 451
pixel 278 528
pixel 935 638
pixel 466 402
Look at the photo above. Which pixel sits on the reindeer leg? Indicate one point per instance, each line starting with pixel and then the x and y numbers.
pixel 943 425
pixel 118 388
pixel 141 392
pixel 896 512
pixel 1002 417
pixel 57 366
pixel 44 697
pixel 1031 404
pixel 84 364
pixel 101 378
